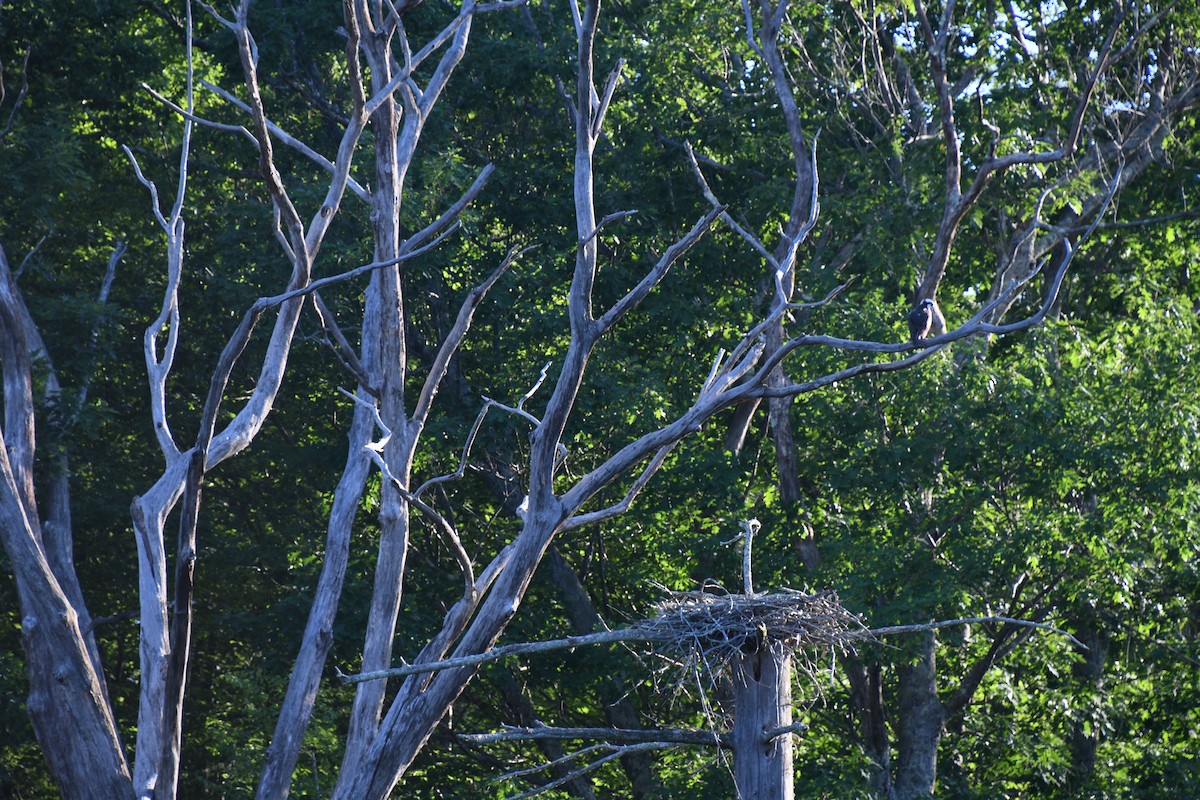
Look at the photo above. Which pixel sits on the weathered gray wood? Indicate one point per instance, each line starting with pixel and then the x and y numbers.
pixel 762 701
pixel 67 703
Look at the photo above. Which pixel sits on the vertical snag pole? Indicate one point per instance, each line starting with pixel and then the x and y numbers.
pixel 762 703
pixel 762 697
pixel 749 528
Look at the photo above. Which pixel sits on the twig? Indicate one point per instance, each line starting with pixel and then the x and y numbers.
pixel 264 303
pixel 750 238
pixel 616 215
pixel 532 391
pixel 20 270
pixel 110 274
pixel 458 331
pixel 610 86
pixel 340 346
pixel 114 618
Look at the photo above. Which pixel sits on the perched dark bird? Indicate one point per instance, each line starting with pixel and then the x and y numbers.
pixel 920 319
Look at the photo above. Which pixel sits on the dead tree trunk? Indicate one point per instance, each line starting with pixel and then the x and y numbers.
pixel 68 702
pixel 762 739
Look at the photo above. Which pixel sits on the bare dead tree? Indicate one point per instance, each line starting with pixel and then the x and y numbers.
pixel 69 704
pixel 1110 133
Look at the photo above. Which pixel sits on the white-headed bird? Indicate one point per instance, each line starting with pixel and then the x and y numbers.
pixel 920 319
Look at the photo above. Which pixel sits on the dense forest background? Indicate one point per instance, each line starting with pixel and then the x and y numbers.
pixel 1049 475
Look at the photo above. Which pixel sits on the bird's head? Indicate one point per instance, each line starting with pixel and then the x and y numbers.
pixel 926 303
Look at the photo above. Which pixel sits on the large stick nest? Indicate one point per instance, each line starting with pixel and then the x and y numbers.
pixel 717 627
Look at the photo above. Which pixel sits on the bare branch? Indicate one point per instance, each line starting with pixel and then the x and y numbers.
pixel 626 502
pixel 798 222
pixel 149 184
pixel 438 369
pixel 935 42
pixel 959 203
pixel 29 256
pixel 110 274
pixel 463 456
pixel 610 86
pixel 791 241
pixel 353 43
pixel 248 52
pixel 212 12
pixel 185 148
pixel 449 217
pixel 976 326
pixel 340 346
pixel 375 452
pixel 455 336
pixel 722 392
pixel 441 74
pixel 892 630
pixel 208 123
pixel 496 653
pixel 279 133
pixel 533 389
pixel 158 368
pixel 1134 223
pixel 665 735
pixel 575 17
pixel 264 303
pixel 751 35
pixel 614 753
pixel 1000 164
pixel 658 272
pixel 616 215
pixel 750 238
pixel 163 759
pixel 783 730
pixel 1150 22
